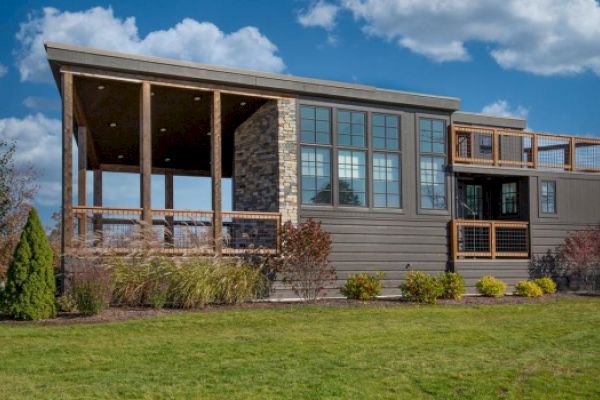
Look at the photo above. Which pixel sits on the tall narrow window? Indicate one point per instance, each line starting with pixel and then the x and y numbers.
pixel 510 199
pixel 316 175
pixel 386 132
pixel 351 128
pixel 386 180
pixel 432 146
pixel 315 125
pixel 352 178
pixel 548 197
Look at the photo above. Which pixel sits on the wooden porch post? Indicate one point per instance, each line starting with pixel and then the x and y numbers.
pixel 82 179
pixel 169 201
pixel 97 203
pixel 67 164
pixel 573 153
pixel 215 157
pixel 145 159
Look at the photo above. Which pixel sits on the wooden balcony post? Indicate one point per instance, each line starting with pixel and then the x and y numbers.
pixel 496 147
pixel 573 153
pixel 493 239
pixel 97 203
pixel 67 163
pixel 534 150
pixel 145 158
pixel 169 200
pixel 82 179
pixel 215 157
pixel 454 239
pixel 452 154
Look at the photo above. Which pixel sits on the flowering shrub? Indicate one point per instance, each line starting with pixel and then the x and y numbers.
pixel 363 286
pixel 453 285
pixel 547 285
pixel 528 289
pixel 491 287
pixel 421 287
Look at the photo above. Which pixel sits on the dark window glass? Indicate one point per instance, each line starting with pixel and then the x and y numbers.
pixel 433 182
pixel 352 178
pixel 316 175
pixel 432 138
pixel 315 125
pixel 485 145
pixel 548 197
pixel 474 201
pixel 386 180
pixel 510 198
pixel 351 128
pixel 386 132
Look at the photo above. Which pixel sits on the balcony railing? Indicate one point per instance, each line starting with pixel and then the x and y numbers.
pixel 519 149
pixel 120 230
pixel 489 239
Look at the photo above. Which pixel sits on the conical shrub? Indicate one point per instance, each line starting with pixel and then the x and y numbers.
pixel 30 284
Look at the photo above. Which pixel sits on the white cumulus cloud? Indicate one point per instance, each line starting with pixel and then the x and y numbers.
pixel 3 70
pixel 98 27
pixel 502 108
pixel 545 37
pixel 319 14
pixel 38 143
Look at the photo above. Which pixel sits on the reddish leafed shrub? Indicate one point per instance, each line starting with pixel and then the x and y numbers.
pixel 580 254
pixel 304 260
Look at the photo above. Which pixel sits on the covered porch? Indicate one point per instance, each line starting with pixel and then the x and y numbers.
pixel 492 217
pixel 155 127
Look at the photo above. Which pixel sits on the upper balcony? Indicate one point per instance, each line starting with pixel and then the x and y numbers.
pixel 508 148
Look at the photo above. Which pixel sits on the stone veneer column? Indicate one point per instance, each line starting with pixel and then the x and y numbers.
pixel 287 143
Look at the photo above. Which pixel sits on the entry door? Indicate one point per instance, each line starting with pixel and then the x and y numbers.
pixel 473 201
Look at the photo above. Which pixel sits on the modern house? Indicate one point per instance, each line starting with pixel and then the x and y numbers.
pixel 400 180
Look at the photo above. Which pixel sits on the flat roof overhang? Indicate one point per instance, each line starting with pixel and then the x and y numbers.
pixel 60 55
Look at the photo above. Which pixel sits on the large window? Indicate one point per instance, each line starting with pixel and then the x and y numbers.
pixel 510 198
pixel 386 132
pixel 386 180
pixel 352 178
pixel 432 147
pixel 316 175
pixel 315 125
pixel 548 197
pixel 351 128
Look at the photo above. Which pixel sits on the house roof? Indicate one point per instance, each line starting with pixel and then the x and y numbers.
pixel 62 54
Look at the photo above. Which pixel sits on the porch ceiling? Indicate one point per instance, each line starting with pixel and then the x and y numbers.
pixel 180 125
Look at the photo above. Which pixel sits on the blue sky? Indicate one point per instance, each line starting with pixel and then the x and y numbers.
pixel 539 59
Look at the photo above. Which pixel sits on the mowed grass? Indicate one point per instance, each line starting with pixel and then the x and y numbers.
pixel 531 351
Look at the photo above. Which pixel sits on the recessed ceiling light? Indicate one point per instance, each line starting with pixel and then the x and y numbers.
pixel 167 159
pixel 100 87
pixel 163 129
pixel 208 133
pixel 151 93
pixel 113 124
pixel 243 103
pixel 197 98
pixel 120 156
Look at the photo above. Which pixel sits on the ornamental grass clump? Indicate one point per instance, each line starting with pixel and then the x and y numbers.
pixel 30 285
pixel 528 289
pixel 491 287
pixel 363 286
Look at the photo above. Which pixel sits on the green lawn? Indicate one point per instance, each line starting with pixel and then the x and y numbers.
pixel 542 350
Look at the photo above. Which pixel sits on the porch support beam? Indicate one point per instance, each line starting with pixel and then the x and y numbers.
pixel 82 177
pixel 169 203
pixel 97 203
pixel 215 157
pixel 145 158
pixel 67 164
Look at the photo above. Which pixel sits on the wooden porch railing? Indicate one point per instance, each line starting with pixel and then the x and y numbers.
pixel 519 149
pixel 489 239
pixel 120 230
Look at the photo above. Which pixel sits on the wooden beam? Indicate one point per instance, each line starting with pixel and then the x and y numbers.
pixel 215 158
pixel 81 178
pixel 573 153
pixel 169 202
pixel 97 203
pixel 145 157
pixel 67 164
pixel 155 170
pixel 534 151
pixel 496 146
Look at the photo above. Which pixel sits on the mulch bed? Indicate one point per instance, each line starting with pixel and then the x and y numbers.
pixel 129 313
